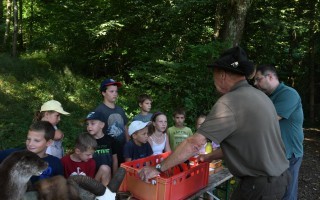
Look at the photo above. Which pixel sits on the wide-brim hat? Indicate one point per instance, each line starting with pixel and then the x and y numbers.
pixel 234 60
pixel 53 105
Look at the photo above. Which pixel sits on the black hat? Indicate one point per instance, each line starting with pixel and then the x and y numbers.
pixel 234 60
pixel 95 116
pixel 108 82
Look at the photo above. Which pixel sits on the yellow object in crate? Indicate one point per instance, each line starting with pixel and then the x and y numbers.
pixel 208 148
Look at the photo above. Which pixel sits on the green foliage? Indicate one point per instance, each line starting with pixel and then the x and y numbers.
pixel 31 80
pixel 283 33
pixel 27 83
pixel 187 84
pixel 156 47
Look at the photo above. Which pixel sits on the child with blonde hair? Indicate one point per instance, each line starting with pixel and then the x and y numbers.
pixel 50 111
pixel 107 149
pixel 80 162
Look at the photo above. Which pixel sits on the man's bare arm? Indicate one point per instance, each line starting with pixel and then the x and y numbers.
pixel 188 148
pixel 214 155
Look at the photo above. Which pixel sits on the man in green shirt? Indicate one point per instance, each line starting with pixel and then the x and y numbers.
pixel 288 105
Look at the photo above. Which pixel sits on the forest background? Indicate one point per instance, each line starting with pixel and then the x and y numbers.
pixel 62 50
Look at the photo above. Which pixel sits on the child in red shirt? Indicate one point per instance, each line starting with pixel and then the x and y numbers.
pixel 80 162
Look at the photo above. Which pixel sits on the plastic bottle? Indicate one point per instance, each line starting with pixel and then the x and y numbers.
pixel 208 148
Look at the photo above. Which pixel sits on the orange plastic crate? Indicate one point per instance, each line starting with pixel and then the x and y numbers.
pixel 179 185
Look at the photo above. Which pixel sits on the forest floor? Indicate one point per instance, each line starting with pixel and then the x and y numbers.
pixel 309 177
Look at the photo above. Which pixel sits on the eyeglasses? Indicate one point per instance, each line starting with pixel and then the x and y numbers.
pixel 258 79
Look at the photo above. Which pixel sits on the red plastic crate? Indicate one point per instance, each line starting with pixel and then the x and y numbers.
pixel 179 185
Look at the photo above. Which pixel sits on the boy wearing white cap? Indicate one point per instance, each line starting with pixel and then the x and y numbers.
pixel 138 146
pixel 50 111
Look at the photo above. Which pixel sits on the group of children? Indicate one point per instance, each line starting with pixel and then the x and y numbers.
pixel 108 141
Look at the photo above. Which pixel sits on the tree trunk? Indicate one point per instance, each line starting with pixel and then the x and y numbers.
pixel 311 84
pixel 31 23
pixel 20 36
pixel 234 20
pixel 312 49
pixel 218 20
pixel 15 28
pixel 1 12
pixel 2 21
pixel 8 21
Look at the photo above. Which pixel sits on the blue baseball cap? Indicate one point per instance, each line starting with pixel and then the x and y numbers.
pixel 108 82
pixel 95 116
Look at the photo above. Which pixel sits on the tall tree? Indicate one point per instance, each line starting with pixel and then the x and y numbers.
pixel 31 19
pixel 234 20
pixel 1 12
pixel 20 23
pixel 15 28
pixel 314 32
pixel 8 21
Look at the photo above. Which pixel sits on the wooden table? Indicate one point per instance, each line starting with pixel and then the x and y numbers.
pixel 214 181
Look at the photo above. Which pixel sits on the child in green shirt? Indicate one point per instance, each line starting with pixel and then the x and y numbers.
pixel 179 131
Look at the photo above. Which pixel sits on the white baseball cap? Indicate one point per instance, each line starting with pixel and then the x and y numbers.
pixel 136 126
pixel 53 105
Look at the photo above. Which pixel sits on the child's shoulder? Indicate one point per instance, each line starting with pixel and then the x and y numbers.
pixel 143 118
pixel 91 161
pixel 130 143
pixel 11 150
pixel 5 153
pixel 51 159
pixel 172 128
pixel 66 157
pixel 106 139
pixel 147 144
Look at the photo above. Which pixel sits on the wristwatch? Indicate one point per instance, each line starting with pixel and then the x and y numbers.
pixel 158 167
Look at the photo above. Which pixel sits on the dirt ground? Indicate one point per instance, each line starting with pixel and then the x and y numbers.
pixel 309 177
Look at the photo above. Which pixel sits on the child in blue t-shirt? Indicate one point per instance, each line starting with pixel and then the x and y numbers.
pixel 40 136
pixel 138 146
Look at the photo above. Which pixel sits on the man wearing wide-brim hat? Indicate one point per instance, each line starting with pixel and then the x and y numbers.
pixel 244 122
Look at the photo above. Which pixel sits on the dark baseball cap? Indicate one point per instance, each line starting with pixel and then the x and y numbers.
pixel 95 116
pixel 108 82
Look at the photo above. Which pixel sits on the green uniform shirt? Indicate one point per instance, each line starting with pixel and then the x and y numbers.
pixel 244 121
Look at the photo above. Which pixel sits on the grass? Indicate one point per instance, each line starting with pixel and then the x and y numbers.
pixel 26 83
